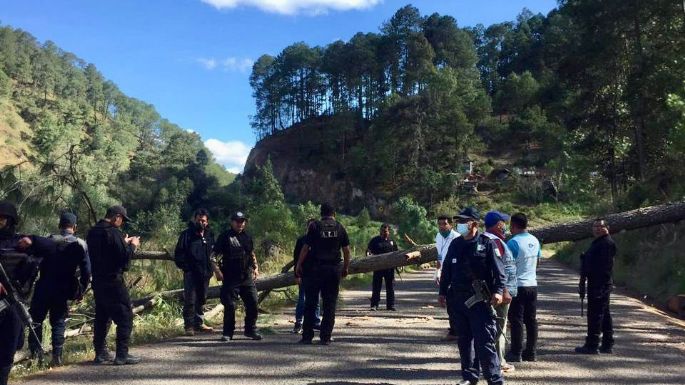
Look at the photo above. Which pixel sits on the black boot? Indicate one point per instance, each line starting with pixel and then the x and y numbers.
pixel 253 335
pixel 56 357
pixel 585 349
pixel 126 360
pixel 103 356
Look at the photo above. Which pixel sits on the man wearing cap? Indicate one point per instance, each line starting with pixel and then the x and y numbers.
pixel 382 244
pixel 495 229
pixel 58 284
pixel 526 251
pixel 11 325
pixel 470 263
pixel 325 239
pixel 110 255
pixel 192 255
pixel 443 239
pixel 597 265
pixel 239 270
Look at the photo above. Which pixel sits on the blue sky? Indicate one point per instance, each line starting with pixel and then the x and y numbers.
pixel 191 59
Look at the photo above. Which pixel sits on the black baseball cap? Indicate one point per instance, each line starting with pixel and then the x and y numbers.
pixel 239 215
pixel 118 210
pixel 469 213
pixel 67 219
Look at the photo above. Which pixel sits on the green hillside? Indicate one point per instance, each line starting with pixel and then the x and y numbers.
pixel 583 105
pixel 72 140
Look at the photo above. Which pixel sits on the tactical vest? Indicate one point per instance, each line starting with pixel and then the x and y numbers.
pixel 327 245
pixel 472 267
pixel 237 257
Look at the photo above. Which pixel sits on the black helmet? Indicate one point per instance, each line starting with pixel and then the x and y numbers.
pixel 9 210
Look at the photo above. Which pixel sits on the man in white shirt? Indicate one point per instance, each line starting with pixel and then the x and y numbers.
pixel 443 239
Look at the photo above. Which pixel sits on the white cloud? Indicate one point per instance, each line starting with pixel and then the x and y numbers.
pixel 231 154
pixel 229 64
pixel 236 64
pixel 209 64
pixel 291 7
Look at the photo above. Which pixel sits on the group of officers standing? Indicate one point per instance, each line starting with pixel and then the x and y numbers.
pixel 484 280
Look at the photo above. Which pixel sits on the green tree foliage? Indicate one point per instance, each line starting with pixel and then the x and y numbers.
pixel 364 218
pixel 93 146
pixel 412 220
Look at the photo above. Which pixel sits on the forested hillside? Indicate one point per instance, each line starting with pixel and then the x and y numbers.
pixel 588 100
pixel 72 140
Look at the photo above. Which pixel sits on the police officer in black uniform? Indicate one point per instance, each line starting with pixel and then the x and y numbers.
pixel 471 260
pixel 382 244
pixel 239 270
pixel 192 255
pixel 58 284
pixel 110 255
pixel 324 241
pixel 597 264
pixel 11 325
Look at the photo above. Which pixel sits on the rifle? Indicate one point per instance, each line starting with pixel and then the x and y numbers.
pixel 482 293
pixel 13 299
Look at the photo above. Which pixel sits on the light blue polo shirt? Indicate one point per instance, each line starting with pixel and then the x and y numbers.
pixel 526 251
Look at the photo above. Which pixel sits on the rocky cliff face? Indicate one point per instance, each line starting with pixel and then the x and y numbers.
pixel 306 179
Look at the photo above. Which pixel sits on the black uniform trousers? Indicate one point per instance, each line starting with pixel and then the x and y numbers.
pixel 11 339
pixel 112 303
pixel 378 277
pixel 247 291
pixel 49 298
pixel 599 320
pixel 322 280
pixel 195 286
pixel 476 331
pixel 523 311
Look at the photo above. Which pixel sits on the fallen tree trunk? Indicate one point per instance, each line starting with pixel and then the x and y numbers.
pixel 265 293
pixel 426 253
pixel 153 255
pixel 627 220
pixel 573 231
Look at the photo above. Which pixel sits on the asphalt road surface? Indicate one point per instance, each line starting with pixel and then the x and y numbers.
pixel 404 347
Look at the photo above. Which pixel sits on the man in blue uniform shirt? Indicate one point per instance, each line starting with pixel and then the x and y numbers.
pixel 525 249
pixel 471 261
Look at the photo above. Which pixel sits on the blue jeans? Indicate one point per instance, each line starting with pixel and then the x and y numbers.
pixel 299 308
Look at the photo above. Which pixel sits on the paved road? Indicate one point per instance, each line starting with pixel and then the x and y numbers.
pixel 403 348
